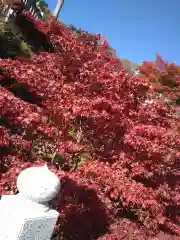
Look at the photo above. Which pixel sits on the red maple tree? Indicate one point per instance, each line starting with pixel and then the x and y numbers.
pixel 117 156
pixel 164 77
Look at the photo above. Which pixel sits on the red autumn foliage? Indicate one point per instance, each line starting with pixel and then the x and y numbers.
pixel 164 77
pixel 117 156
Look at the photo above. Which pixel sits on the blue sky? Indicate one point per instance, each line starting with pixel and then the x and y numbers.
pixel 137 29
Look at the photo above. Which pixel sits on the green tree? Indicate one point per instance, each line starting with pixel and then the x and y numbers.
pixel 43 8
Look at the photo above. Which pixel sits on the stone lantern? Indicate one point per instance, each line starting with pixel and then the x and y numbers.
pixel 27 215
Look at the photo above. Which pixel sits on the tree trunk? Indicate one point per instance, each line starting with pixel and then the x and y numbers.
pixel 58 8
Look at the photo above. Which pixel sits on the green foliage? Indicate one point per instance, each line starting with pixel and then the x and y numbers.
pixel 12 44
pixel 43 7
pixel 40 8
